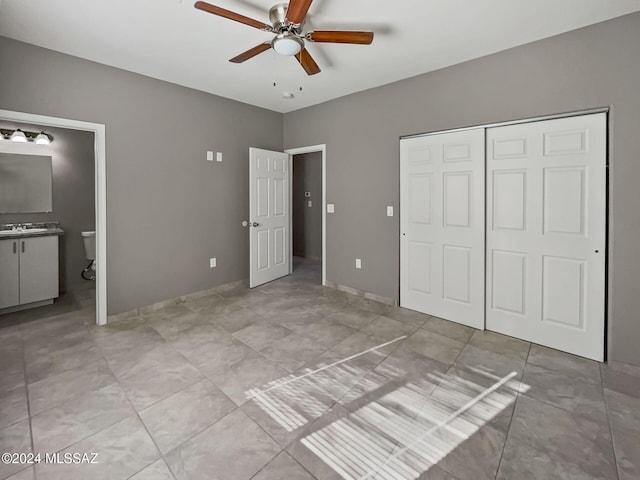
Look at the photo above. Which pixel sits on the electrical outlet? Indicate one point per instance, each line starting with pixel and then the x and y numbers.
pixel 330 208
pixel 309 203
pixel 358 263
pixel 213 262
pixel 210 156
pixel 389 211
pixel 218 156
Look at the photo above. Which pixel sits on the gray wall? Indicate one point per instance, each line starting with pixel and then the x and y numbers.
pixel 168 209
pixel 307 221
pixel 592 67
pixel 157 134
pixel 73 166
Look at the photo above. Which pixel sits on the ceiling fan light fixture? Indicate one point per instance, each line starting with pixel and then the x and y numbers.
pixel 287 44
pixel 287 23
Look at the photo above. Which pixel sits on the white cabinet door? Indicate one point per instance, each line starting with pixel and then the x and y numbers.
pixel 9 274
pixel 546 214
pixel 38 269
pixel 269 216
pixel 442 226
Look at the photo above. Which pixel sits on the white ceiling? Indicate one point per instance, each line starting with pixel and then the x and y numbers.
pixel 172 41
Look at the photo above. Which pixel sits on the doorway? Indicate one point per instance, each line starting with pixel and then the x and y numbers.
pixel 98 131
pixel 306 211
pixel 308 220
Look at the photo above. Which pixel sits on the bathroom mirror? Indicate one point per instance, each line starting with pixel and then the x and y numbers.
pixel 25 183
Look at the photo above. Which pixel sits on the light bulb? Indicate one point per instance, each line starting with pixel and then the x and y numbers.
pixel 287 44
pixel 18 136
pixel 42 139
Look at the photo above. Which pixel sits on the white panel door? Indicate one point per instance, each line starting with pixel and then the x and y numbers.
pixel 546 214
pixel 442 226
pixel 269 216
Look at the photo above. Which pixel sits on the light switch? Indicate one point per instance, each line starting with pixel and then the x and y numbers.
pixel 358 263
pixel 389 211
pixel 210 156
pixel 213 262
pixel 330 208
pixel 309 203
pixel 218 156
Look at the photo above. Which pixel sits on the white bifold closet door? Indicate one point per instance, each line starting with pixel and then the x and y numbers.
pixel 442 206
pixel 546 214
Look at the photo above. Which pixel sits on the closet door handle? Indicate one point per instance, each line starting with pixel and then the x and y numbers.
pixel 15 247
pixel 23 246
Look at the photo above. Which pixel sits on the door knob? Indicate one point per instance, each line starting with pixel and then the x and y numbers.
pixel 255 224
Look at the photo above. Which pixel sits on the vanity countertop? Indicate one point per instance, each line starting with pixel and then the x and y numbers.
pixel 33 230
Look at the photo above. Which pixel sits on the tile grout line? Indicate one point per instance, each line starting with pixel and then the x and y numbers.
pixel 26 388
pixel 114 423
pixel 75 396
pixel 301 466
pixel 122 387
pixel 282 449
pixel 154 444
pixel 335 402
pixel 606 407
pixel 236 408
pixel 82 394
pixel 92 391
pixel 326 367
pixel 404 338
pixel 164 343
pixel 204 377
pixel 513 413
pixel 91 342
pixel 452 364
pixel 29 416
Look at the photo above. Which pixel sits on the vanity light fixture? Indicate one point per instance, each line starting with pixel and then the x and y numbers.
pixel 21 136
pixel 18 136
pixel 42 139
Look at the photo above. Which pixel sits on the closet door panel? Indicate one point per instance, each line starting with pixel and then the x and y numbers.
pixel 546 225
pixel 442 226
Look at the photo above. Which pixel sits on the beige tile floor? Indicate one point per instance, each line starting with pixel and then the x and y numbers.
pixel 293 381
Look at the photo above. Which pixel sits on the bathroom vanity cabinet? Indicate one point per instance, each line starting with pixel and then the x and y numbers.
pixel 28 272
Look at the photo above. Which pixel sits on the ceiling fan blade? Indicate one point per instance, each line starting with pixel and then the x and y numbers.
pixel 221 12
pixel 252 52
pixel 297 10
pixel 338 36
pixel 308 63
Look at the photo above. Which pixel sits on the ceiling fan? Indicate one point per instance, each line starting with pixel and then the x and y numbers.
pixel 287 21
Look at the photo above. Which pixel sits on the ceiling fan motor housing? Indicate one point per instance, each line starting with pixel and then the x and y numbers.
pixel 278 18
pixel 288 40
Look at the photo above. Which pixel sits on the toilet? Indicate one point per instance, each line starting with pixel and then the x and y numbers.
pixel 89 241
